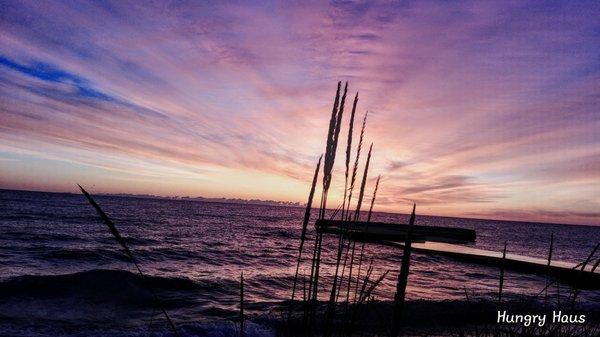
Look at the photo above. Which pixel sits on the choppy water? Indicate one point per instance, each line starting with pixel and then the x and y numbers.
pixel 61 272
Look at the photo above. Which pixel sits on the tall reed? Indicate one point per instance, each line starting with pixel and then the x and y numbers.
pixel 349 152
pixel 362 248
pixel 341 237
pixel 330 152
pixel 357 217
pixel 357 158
pixel 374 285
pixel 363 184
pixel 585 263
pixel 115 232
pixel 403 277
pixel 304 228
pixel 327 176
pixel 596 265
pixel 329 140
pixel 352 182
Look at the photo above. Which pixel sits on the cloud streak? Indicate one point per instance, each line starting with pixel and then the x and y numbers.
pixel 475 107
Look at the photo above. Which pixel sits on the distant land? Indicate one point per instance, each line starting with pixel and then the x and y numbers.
pixel 185 198
pixel 223 200
pixel 289 204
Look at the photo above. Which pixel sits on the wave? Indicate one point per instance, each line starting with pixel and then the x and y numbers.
pixel 105 284
pixel 85 254
pixel 109 297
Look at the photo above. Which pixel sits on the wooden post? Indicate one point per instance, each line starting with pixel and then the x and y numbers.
pixel 502 274
pixel 403 278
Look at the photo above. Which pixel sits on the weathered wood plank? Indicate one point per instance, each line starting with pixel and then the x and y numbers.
pixel 567 271
pixel 378 231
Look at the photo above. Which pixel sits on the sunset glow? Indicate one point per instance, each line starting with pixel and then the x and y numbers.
pixel 476 109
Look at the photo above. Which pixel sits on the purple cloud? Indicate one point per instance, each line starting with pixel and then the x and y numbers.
pixel 475 106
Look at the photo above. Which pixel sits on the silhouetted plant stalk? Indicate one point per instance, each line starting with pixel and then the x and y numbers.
pixel 365 293
pixel 356 160
pixel 341 236
pixel 403 277
pixel 331 148
pixel 304 228
pixel 327 183
pixel 575 267
pixel 362 248
pixel 374 285
pixel 585 263
pixel 352 182
pixel 356 218
pixel 596 265
pixel 349 152
pixel 366 280
pixel 330 134
pixel 113 230
pixel 581 265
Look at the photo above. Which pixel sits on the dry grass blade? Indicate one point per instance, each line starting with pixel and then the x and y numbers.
pixel 589 258
pixel 373 199
pixel 362 248
pixel 108 222
pixel 309 204
pixel 356 217
pixel 304 228
pixel 366 280
pixel 596 265
pixel 121 241
pixel 585 263
pixel 374 285
pixel 330 134
pixel 356 159
pixel 330 152
pixel 349 152
pixel 334 291
pixel 351 189
pixel 555 281
pixel 332 140
pixel 362 185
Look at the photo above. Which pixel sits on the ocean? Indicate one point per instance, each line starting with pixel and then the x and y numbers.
pixel 63 274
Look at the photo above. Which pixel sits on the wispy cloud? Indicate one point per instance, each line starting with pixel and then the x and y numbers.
pixel 475 106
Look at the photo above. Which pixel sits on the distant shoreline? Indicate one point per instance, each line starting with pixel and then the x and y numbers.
pixel 259 202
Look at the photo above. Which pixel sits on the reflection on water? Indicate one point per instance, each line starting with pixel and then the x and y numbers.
pixel 197 250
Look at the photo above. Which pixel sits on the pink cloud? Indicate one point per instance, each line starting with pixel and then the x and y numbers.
pixel 473 105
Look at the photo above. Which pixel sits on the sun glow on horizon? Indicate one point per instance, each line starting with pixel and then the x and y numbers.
pixel 475 109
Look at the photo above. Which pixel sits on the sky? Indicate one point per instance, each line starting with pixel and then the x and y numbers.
pixel 476 109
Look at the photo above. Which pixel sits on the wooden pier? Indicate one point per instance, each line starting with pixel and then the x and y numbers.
pixel 380 231
pixel 443 241
pixel 567 271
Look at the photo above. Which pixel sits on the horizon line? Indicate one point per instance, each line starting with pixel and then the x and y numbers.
pixel 285 203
